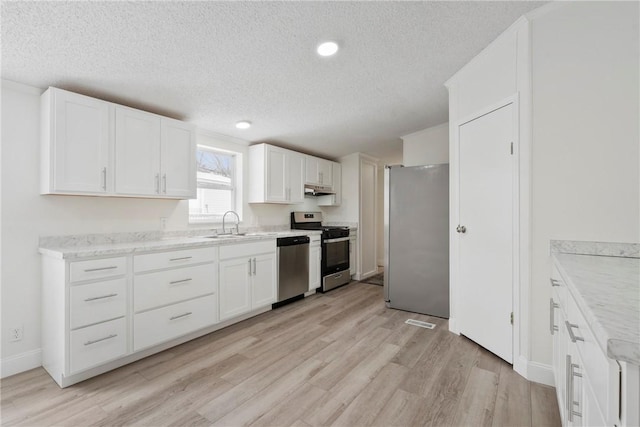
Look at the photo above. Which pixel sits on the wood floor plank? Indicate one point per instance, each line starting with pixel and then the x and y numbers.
pixel 478 399
pixel 399 409
pixel 338 358
pixel 544 410
pixel 365 407
pixel 261 403
pixel 513 403
pixel 303 399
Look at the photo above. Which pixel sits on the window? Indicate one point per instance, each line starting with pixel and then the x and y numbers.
pixel 216 182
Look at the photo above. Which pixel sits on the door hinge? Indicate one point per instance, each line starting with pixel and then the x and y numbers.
pixel 511 317
pixel 512 148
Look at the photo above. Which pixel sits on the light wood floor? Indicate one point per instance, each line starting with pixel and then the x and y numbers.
pixel 340 358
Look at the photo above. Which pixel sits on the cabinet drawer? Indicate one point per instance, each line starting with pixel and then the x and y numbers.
pixel 97 302
pixel 97 269
pixel 156 326
pixel 167 287
pixel 247 249
pixel 596 364
pixel 173 259
pixel 97 344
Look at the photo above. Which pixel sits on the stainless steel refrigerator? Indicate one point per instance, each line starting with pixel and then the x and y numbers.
pixel 416 237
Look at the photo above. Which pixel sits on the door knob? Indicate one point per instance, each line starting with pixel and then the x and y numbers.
pixel 461 229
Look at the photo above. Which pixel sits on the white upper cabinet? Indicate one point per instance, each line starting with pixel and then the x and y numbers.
pixel 94 147
pixel 318 171
pixel 137 152
pixel 75 144
pixel 178 159
pixel 276 175
pixel 336 198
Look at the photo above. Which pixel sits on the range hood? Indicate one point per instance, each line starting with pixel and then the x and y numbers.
pixel 317 190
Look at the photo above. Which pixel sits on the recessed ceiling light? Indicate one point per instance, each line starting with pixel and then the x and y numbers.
pixel 327 48
pixel 243 124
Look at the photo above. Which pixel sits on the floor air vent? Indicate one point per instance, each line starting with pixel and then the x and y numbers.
pixel 420 323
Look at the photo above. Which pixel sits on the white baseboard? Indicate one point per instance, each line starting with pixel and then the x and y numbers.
pixel 540 373
pixel 20 363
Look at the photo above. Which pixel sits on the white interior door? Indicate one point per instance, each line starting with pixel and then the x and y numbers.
pixel 486 246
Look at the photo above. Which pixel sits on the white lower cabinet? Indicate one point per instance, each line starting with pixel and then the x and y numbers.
pixel 97 344
pixel 235 287
pixel 588 383
pixel 315 263
pixel 102 313
pixel 353 250
pixel 162 324
pixel 247 277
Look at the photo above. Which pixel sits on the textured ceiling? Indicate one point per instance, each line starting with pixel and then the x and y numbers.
pixel 214 63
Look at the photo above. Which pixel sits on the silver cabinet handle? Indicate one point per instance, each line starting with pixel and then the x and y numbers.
pixel 570 327
pixel 461 229
pixel 254 266
pixel 570 402
pixel 181 258
pixel 175 282
pixel 102 297
pixel 555 282
pixel 180 316
pixel 158 183
pixel 552 321
pixel 249 266
pixel 568 382
pixel 104 178
pixel 111 267
pixel 164 183
pixel 101 339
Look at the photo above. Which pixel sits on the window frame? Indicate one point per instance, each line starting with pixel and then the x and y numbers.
pixel 234 184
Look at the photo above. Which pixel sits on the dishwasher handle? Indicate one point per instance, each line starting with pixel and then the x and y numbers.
pixel 292 241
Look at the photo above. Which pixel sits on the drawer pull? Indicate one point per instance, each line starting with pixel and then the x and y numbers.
pixel 555 282
pixel 101 339
pixel 181 258
pixel 102 297
pixel 570 402
pixel 181 316
pixel 111 267
pixel 552 321
pixel 175 282
pixel 572 336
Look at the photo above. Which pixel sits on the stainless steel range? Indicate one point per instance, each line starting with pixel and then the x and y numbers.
pixel 335 248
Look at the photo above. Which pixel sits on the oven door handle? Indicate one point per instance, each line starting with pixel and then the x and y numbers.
pixel 340 239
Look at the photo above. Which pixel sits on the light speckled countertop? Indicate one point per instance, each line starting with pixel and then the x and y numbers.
pixel 78 247
pixel 607 292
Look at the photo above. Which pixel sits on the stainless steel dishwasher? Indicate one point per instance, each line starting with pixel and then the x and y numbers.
pixel 293 267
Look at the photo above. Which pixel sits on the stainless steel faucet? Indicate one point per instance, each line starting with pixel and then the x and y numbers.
pixel 224 231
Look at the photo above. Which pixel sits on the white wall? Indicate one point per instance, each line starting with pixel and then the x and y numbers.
pixel 585 182
pixel 426 147
pixel 26 215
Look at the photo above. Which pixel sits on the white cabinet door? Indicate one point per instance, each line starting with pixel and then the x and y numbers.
pixel 352 255
pixel 559 358
pixel 296 179
pixel 263 278
pixel 486 249
pixel 311 174
pixel 368 260
pixel 80 127
pixel 137 152
pixel 325 172
pixel 178 159
pixel 315 259
pixel 276 175
pixel 235 292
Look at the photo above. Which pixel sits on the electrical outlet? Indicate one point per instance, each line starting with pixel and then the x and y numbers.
pixel 15 334
pixel 163 223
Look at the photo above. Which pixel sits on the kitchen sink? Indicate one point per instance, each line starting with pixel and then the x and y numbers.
pixel 222 236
